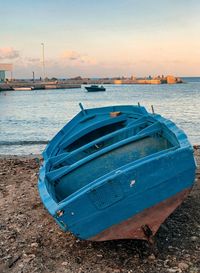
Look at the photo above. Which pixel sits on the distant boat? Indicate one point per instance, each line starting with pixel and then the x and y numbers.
pixel 116 172
pixel 95 88
pixel 23 88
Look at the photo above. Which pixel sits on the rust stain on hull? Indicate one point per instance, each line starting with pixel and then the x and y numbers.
pixel 152 217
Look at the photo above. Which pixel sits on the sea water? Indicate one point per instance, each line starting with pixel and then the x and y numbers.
pixel 29 119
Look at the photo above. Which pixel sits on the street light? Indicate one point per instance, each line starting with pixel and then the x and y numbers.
pixel 43 63
pixel 33 76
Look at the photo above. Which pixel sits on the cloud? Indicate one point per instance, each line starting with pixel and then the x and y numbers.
pixel 70 55
pixel 33 60
pixel 8 53
pixel 77 58
pixel 85 59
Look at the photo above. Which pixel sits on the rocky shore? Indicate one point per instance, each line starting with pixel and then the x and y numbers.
pixel 30 241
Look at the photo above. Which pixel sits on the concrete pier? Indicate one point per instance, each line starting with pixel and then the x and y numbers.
pixel 27 85
pixel 78 81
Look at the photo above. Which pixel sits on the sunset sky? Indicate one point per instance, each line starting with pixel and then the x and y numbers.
pixel 101 38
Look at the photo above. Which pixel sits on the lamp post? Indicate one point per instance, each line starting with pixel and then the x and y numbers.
pixel 33 76
pixel 43 63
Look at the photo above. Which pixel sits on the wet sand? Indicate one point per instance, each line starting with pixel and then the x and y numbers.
pixel 30 240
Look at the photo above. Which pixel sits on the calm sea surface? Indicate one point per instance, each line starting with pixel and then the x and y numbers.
pixel 29 119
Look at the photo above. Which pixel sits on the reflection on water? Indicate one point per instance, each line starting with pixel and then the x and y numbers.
pixel 28 119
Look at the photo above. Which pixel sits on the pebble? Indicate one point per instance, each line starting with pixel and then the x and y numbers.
pixel 78 259
pixel 7 257
pixel 34 245
pixel 173 270
pixel 32 256
pixel 164 227
pixel 64 263
pixel 165 264
pixel 151 257
pixel 183 266
pixel 116 270
pixel 194 238
pixel 194 270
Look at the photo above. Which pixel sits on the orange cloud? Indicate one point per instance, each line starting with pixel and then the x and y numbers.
pixel 70 55
pixel 77 58
pixel 8 53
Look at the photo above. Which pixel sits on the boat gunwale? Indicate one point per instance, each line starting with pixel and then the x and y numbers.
pixel 81 115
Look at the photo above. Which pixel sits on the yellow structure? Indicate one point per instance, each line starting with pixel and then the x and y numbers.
pixel 171 79
pixel 117 81
pixel 146 81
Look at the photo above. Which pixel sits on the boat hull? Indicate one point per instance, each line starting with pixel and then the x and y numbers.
pixel 134 227
pixel 95 89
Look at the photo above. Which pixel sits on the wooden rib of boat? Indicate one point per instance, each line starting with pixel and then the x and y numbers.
pixel 116 172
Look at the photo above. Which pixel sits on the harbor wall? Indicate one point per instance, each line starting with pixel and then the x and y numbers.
pixel 78 81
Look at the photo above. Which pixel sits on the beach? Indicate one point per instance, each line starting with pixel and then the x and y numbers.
pixel 31 241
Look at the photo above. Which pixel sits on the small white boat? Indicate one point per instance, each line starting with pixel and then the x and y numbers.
pixel 23 88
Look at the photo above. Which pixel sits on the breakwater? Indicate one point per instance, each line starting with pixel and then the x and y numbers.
pixel 28 85
pixel 76 82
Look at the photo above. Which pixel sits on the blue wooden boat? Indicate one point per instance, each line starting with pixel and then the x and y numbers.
pixel 95 88
pixel 116 172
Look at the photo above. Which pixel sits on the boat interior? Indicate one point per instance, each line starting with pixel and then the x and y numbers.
pixel 85 158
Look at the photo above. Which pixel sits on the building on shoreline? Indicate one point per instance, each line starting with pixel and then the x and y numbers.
pixel 4 67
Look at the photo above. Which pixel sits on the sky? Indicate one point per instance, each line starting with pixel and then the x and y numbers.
pixel 104 38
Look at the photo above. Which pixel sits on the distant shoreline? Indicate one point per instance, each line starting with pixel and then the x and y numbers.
pixel 28 85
